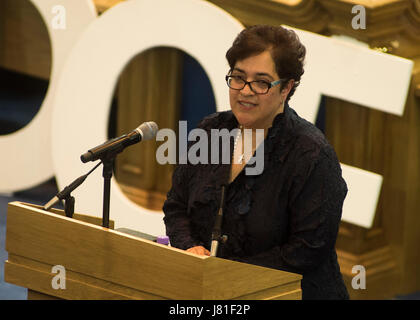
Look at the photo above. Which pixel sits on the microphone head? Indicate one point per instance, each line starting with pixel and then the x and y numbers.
pixel 148 130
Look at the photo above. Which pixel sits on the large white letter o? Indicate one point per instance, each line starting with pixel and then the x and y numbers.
pixel 27 160
pixel 84 92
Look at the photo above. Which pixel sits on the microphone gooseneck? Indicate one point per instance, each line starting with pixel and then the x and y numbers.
pixel 146 131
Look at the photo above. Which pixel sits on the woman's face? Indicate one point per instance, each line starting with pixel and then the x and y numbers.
pixel 257 111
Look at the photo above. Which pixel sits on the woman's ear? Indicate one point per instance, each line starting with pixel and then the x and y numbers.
pixel 287 88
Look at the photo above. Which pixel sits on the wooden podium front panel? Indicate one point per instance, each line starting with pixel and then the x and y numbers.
pixel 35 295
pixel 105 264
pixel 38 276
pixel 99 253
pixel 225 279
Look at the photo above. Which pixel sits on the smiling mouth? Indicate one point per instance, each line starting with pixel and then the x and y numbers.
pixel 247 104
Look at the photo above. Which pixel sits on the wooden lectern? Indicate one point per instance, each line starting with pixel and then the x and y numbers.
pixel 102 263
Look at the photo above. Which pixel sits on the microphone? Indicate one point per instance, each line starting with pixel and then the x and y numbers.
pixel 146 131
pixel 216 234
pixel 63 194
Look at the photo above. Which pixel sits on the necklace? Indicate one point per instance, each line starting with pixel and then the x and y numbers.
pixel 235 148
pixel 243 147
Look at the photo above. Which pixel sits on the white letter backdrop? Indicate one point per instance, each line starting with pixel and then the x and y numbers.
pixel 82 89
pixel 27 161
pixel 85 89
pixel 357 74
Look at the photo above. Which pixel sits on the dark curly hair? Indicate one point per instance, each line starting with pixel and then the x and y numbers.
pixel 287 51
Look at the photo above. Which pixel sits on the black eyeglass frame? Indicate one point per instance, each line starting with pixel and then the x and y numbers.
pixel 249 83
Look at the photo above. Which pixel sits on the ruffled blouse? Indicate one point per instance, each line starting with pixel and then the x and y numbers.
pixel 285 218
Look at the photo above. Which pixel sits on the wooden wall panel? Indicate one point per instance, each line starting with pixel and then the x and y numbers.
pixel 24 41
pixel 149 89
pixel 388 145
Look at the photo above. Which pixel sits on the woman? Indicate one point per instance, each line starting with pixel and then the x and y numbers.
pixel 288 216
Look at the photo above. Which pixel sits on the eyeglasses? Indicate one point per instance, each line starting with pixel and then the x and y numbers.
pixel 257 86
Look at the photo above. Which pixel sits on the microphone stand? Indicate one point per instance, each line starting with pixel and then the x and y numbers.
pixel 107 153
pixel 108 159
pixel 65 195
pixel 216 234
pixel 108 162
pixel 69 206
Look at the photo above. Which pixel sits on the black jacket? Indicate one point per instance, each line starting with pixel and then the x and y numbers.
pixel 286 218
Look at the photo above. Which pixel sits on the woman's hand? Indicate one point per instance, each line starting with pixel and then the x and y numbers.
pixel 199 250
